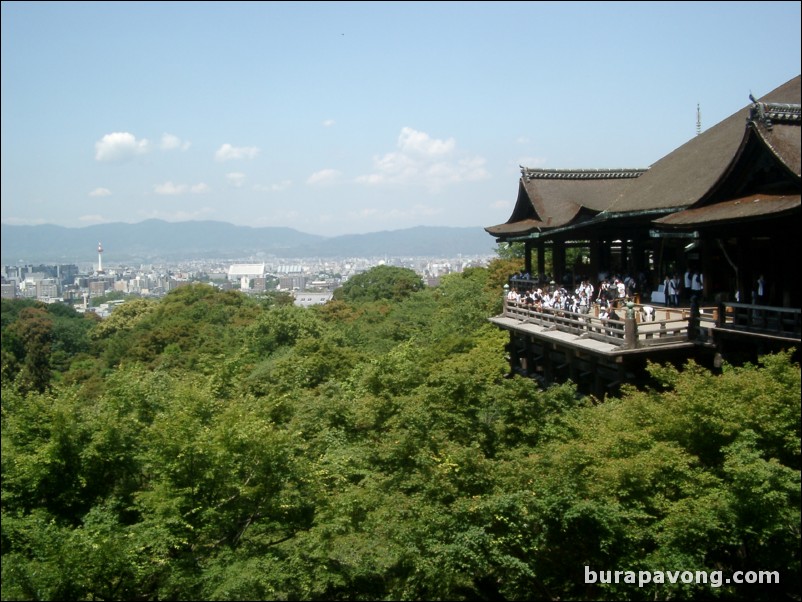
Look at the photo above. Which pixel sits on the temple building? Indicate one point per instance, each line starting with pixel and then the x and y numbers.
pixel 726 204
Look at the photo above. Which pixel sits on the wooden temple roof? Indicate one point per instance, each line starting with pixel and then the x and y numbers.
pixel 763 178
pixel 555 198
pixel 694 174
pixel 750 207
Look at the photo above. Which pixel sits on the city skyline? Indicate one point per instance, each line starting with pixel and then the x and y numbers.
pixel 351 118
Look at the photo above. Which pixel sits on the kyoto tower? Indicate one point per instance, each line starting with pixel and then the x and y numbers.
pixel 99 258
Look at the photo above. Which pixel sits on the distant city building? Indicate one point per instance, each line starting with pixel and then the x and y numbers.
pixel 97 288
pixel 292 283
pixel 312 281
pixel 218 276
pixel 47 289
pixel 259 284
pixel 8 291
pixel 305 299
pixel 245 272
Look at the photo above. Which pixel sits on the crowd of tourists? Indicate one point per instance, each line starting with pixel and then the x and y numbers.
pixel 611 291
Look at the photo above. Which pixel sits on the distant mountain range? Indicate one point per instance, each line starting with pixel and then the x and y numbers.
pixel 157 240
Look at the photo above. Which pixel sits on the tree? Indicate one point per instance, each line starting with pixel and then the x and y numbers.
pixel 510 250
pixel 380 283
pixel 31 336
pixel 377 449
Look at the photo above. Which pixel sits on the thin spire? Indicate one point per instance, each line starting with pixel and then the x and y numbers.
pixel 698 119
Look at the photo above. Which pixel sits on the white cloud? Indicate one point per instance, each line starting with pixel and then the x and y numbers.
pixel 328 123
pixel 119 146
pixel 275 187
pixel 92 219
pixel 324 176
pixel 413 141
pixel 171 142
pixel 178 216
pixel 235 178
pixel 395 214
pixel 501 205
pixel 22 221
pixel 371 179
pixel 423 160
pixel 100 192
pixel 228 152
pixel 170 189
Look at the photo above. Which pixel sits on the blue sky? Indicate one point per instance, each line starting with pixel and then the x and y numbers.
pixel 339 118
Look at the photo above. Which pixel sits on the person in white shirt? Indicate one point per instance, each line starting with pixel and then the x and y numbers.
pixel 761 290
pixel 697 285
pixel 687 283
pixel 673 290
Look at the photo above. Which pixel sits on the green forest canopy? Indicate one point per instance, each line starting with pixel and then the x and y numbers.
pixel 215 446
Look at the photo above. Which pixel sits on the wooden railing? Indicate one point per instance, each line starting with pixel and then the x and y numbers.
pixel 627 333
pixel 782 322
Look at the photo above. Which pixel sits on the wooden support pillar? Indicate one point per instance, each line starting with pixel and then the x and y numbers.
pixel 638 261
pixel 558 259
pixel 528 257
pixel 573 365
pixel 548 366
pixel 600 256
pixel 705 267
pixel 541 259
pixel 624 257
pixel 513 352
pixel 598 383
pixel 595 260
pixel 607 255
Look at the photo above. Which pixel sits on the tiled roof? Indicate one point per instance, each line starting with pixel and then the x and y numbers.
pixel 780 134
pixel 750 207
pixel 556 198
pixel 770 113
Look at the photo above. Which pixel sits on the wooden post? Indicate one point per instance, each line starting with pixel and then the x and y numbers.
pixel 630 333
pixel 630 327
pixel 693 321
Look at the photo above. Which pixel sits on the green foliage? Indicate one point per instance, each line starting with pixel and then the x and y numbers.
pixel 381 282
pixel 30 340
pixel 283 326
pixel 216 446
pixel 39 342
pixel 108 296
pixel 511 250
pixel 190 324
pixel 125 317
